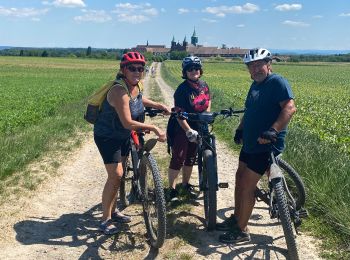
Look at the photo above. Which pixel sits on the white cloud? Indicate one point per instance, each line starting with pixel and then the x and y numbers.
pixel 97 16
pixel 288 7
pixel 344 14
pixel 151 11
pixel 240 25
pixel 222 10
pixel 135 13
pixel 22 12
pixel 295 24
pixel 317 16
pixel 132 18
pixel 66 3
pixel 182 10
pixel 209 20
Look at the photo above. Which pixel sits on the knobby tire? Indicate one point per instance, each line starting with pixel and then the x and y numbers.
pixel 284 215
pixel 298 190
pixel 129 169
pixel 210 188
pixel 154 208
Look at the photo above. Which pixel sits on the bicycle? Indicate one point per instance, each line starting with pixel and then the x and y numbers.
pixel 285 196
pixel 142 182
pixel 207 160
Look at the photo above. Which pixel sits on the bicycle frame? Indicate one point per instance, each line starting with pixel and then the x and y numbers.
pixel 207 160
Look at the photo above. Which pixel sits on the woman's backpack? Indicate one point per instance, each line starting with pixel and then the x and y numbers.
pixel 95 101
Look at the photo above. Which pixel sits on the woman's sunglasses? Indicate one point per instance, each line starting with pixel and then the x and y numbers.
pixel 190 69
pixel 134 69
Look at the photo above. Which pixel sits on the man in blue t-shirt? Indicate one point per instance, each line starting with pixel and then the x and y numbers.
pixel 269 108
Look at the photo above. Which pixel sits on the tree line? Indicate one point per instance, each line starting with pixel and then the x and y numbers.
pixel 116 54
pixel 93 53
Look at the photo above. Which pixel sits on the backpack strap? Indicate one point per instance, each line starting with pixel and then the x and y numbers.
pixel 124 86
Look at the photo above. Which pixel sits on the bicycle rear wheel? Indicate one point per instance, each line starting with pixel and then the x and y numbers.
pixel 210 182
pixel 125 192
pixel 294 182
pixel 154 210
pixel 284 216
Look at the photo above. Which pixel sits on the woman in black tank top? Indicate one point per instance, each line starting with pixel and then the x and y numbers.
pixel 122 112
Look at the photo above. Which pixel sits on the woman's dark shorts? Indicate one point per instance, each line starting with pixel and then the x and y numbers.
pixel 183 152
pixel 111 149
pixel 257 162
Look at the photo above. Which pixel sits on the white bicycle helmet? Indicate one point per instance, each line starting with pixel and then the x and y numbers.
pixel 191 60
pixel 257 54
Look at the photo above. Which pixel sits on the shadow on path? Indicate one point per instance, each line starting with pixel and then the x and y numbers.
pixel 197 236
pixel 78 230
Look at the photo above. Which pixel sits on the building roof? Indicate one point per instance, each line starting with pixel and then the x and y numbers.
pixel 150 46
pixel 198 51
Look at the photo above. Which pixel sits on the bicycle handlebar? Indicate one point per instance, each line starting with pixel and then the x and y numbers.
pixel 152 112
pixel 207 117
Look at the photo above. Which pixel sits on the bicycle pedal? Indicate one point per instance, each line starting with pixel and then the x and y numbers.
pixel 303 213
pixel 262 195
pixel 223 185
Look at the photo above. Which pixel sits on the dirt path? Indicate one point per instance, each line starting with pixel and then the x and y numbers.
pixel 60 219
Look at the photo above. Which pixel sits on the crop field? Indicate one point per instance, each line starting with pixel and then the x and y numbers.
pixel 42 99
pixel 322 94
pixel 34 88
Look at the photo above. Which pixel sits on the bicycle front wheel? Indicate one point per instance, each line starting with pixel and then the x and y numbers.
pixel 294 182
pixel 284 216
pixel 210 182
pixel 154 210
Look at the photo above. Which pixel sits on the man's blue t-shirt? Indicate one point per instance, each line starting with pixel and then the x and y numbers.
pixel 262 110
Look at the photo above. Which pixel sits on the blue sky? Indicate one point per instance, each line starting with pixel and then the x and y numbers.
pixel 306 24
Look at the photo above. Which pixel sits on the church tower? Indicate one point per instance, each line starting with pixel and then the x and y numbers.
pixel 184 43
pixel 194 38
pixel 173 43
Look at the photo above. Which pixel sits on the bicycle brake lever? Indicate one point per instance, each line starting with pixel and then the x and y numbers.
pixel 149 145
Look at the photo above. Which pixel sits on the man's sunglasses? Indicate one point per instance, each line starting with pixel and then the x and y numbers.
pixel 190 69
pixel 134 69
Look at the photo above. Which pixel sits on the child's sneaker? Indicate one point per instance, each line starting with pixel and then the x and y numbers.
pixel 189 191
pixel 227 224
pixel 234 236
pixel 172 195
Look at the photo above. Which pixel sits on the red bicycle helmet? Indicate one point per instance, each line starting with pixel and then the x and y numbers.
pixel 132 57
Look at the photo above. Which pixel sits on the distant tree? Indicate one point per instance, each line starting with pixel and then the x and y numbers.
pixel 88 51
pixel 148 56
pixel 21 53
pixel 44 54
pixel 178 55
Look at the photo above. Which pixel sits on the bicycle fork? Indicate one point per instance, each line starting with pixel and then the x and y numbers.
pixel 211 145
pixel 276 175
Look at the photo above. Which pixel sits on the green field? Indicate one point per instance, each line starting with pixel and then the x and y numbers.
pixel 318 143
pixel 322 94
pixel 42 103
